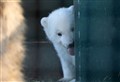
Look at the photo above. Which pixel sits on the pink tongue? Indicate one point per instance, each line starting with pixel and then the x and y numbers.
pixel 71 51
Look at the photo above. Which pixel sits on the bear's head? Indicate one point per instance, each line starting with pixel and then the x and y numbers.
pixel 59 27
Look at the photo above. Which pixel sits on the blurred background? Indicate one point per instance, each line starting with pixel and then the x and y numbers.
pixel 41 62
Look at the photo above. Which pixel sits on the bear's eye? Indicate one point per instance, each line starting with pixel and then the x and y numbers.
pixel 72 29
pixel 59 34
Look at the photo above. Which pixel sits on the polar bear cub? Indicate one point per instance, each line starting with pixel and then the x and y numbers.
pixel 59 28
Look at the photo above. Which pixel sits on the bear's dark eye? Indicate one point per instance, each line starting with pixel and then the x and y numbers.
pixel 59 34
pixel 72 29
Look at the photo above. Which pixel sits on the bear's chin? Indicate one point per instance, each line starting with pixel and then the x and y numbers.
pixel 71 51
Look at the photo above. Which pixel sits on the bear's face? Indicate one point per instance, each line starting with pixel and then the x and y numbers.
pixel 59 27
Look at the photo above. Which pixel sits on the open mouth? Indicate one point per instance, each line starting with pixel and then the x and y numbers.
pixel 71 49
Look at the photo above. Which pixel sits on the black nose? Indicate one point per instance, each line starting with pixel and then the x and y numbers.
pixel 71 45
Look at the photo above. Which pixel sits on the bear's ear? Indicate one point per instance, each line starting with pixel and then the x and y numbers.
pixel 44 22
pixel 71 7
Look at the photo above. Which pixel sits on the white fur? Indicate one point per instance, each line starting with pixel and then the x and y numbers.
pixel 61 21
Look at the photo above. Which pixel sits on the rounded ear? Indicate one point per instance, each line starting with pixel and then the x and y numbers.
pixel 44 22
pixel 71 7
